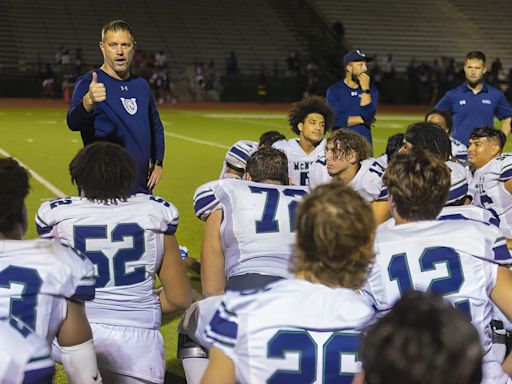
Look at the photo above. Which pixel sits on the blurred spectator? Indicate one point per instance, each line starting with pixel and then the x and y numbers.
pixel 497 74
pixel 48 82
pixel 424 85
pixel 339 30
pixel 412 77
pixel 262 86
pixel 78 61
pixel 232 65
pixel 293 64
pixel 160 59
pixel 58 55
pixel 199 72
pixel 312 80
pixel 388 67
pixel 65 58
pixel 160 84
pixel 210 75
pixel 139 59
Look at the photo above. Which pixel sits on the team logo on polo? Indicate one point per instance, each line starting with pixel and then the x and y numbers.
pixel 130 105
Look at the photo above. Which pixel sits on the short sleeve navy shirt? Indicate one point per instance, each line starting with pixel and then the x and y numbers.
pixel 472 110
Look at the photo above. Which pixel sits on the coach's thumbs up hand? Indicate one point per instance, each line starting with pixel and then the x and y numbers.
pixel 96 94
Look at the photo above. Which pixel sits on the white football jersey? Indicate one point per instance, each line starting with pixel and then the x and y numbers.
pixel 452 258
pixel 237 155
pixel 383 160
pixel 36 277
pixel 291 331
pixel 367 181
pixel 258 226
pixel 318 174
pixel 490 192
pixel 24 356
pixel 501 253
pixel 459 150
pixel 125 241
pixel 458 182
pixel 299 161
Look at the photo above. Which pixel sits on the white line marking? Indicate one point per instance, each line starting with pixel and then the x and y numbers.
pixel 400 117
pixel 244 115
pixel 198 141
pixel 52 188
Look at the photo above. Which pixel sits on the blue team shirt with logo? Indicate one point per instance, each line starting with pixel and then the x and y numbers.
pixel 127 117
pixel 345 102
pixel 472 111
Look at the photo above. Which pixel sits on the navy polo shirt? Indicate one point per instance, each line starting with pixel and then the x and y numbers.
pixel 345 102
pixel 472 111
pixel 127 117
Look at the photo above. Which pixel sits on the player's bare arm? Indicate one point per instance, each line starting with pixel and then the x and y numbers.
pixel 76 346
pixel 500 295
pixel 505 126
pixel 96 94
pixel 213 278
pixel 221 369
pixel 176 293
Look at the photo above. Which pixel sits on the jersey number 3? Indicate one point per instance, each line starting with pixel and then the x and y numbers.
pixel 122 256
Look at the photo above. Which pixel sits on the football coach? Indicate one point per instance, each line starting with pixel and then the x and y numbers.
pixel 111 104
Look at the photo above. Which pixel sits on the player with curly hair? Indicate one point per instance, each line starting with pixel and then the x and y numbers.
pixel 309 118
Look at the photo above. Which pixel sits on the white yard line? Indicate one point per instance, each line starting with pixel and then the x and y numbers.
pixel 52 188
pixel 197 141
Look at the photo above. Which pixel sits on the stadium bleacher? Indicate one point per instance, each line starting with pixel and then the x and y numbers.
pixel 413 28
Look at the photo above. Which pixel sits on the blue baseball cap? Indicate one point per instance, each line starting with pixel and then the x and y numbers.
pixel 355 55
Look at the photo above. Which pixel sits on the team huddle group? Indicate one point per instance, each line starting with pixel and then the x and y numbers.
pixel 309 245
pixel 319 263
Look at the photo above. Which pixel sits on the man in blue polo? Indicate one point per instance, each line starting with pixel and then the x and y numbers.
pixel 353 99
pixel 475 103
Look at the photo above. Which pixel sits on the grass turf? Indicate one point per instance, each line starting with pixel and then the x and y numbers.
pixel 196 142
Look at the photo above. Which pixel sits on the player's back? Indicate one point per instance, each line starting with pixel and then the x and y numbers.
pixel 368 180
pixel 320 324
pixel 491 193
pixel 453 258
pixel 24 356
pixel 36 277
pixel 258 230
pixel 258 226
pixel 125 242
pixel 299 162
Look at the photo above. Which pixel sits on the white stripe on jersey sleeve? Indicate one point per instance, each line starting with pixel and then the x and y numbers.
pixel 168 216
pixel 205 201
pixel 222 331
pixel 45 221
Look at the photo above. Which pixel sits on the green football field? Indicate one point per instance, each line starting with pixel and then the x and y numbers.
pixel 196 142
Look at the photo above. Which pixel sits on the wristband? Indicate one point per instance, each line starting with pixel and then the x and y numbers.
pixel 365 91
pixel 159 163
